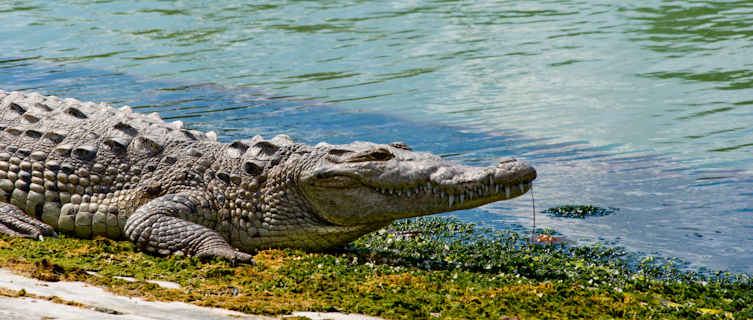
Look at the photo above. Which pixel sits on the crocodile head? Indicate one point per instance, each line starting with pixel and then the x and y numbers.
pixel 328 195
pixel 364 183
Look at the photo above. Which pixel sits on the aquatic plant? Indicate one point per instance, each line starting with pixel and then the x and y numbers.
pixel 418 268
pixel 579 211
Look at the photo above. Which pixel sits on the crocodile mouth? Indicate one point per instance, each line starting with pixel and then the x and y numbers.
pixel 455 195
pixel 353 200
pixel 355 206
pixel 372 192
pixel 468 187
pixel 458 197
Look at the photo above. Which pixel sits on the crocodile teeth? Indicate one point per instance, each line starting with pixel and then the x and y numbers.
pixel 154 115
pixel 478 192
pixel 177 124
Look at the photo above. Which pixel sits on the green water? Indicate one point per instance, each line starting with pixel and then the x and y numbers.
pixel 669 77
pixel 644 105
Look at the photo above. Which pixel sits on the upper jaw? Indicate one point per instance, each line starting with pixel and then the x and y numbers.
pixel 429 175
pixel 461 187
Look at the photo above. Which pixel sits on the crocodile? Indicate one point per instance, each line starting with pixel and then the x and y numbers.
pixel 88 169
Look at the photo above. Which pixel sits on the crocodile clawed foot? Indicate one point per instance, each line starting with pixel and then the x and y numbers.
pixel 16 223
pixel 53 234
pixel 233 256
pixel 155 225
pixel 242 258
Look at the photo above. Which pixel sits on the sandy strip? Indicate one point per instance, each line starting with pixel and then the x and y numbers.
pixel 100 304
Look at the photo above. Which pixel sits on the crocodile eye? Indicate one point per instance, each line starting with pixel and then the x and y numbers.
pixel 381 155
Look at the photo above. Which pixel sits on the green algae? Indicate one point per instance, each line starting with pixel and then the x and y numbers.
pixel 419 268
pixel 579 211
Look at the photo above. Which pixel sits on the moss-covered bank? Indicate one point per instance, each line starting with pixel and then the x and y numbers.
pixel 423 268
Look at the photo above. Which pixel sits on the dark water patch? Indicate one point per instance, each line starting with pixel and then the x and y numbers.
pixel 12 61
pixel 193 36
pixel 732 148
pixel 315 28
pixel 86 58
pixel 213 107
pixel 702 21
pixel 574 34
pixel 167 55
pixel 712 76
pixel 18 8
pixel 319 76
pixel 167 12
pixel 564 63
pixel 715 132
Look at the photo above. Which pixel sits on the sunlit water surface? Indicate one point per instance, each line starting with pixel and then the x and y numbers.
pixel 645 106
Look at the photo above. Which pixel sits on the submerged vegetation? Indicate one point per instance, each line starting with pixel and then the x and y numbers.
pixel 582 211
pixel 418 268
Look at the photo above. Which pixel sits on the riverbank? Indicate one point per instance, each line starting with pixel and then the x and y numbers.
pixel 423 268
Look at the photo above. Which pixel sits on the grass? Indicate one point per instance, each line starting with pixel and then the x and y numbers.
pixel 420 268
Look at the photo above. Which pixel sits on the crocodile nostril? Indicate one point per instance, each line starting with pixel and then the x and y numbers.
pixel 400 145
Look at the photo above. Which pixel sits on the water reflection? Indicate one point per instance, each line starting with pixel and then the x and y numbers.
pixel 702 46
pixel 694 24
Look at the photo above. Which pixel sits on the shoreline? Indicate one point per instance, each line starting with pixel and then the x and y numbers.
pixel 418 268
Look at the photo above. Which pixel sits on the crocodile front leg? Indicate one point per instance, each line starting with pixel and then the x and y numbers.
pixel 16 223
pixel 161 226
